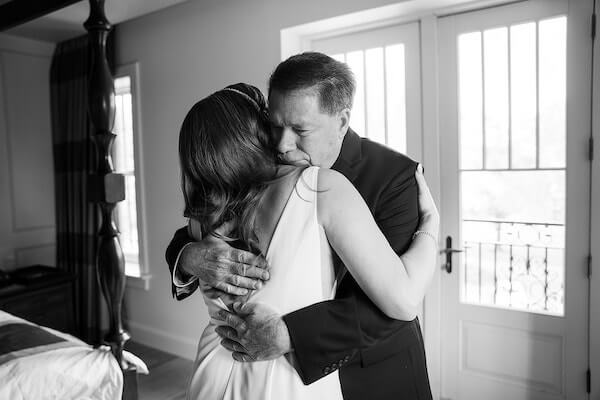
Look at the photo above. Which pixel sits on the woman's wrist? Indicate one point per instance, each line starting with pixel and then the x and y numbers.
pixel 426 234
pixel 429 223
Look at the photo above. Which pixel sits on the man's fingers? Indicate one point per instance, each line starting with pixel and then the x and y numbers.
pixel 226 332
pixel 233 346
pixel 250 271
pixel 241 357
pixel 246 257
pixel 243 282
pixel 233 321
pixel 243 308
pixel 230 289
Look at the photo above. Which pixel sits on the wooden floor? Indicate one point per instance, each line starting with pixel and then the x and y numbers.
pixel 168 373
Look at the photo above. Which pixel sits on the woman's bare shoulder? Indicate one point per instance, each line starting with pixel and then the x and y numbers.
pixel 334 193
pixel 330 179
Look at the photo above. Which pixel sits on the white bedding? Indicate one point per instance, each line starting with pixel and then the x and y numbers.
pixel 78 372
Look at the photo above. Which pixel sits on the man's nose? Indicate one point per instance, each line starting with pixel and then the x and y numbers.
pixel 287 141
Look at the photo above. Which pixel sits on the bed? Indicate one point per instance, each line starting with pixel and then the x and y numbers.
pixel 42 363
pixel 58 354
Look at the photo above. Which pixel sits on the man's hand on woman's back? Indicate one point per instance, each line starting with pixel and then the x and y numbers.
pixel 222 267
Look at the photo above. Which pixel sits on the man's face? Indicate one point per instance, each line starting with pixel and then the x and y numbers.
pixel 304 134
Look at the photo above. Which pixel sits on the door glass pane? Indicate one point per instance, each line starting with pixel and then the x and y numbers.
pixel 523 107
pixel 495 64
pixel 470 85
pixel 512 178
pixel 552 78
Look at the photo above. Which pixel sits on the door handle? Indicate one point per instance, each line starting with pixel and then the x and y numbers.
pixel 449 251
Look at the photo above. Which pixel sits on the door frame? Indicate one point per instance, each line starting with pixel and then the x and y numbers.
pixel 594 333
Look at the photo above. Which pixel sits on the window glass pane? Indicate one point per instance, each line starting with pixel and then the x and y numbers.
pixel 127 134
pixel 123 85
pixel 117 147
pixel 124 163
pixel 524 196
pixel 513 236
pixel 495 52
pixel 396 97
pixel 123 150
pixel 356 63
pixel 523 95
pixel 520 266
pixel 470 100
pixel 128 218
pixel 552 91
pixel 375 95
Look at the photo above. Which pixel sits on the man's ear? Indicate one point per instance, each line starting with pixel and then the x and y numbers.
pixel 344 121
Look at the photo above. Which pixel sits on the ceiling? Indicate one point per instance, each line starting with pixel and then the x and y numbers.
pixel 68 22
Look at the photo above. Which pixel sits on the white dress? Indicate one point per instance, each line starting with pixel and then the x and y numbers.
pixel 301 273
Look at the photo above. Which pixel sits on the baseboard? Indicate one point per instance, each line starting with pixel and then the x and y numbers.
pixel 181 346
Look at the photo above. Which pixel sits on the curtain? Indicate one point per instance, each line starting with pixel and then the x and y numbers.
pixel 77 220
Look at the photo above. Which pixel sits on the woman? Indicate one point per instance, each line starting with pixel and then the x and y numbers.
pixel 231 179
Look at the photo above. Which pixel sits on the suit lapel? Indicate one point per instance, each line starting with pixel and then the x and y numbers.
pixel 350 155
pixel 346 164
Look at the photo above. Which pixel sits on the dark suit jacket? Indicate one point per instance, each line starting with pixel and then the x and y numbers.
pixel 378 357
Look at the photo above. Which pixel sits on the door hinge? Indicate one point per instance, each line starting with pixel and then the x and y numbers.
pixel 589 266
pixel 591 149
pixel 588 381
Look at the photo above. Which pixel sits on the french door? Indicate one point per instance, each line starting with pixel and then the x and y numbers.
pixel 514 101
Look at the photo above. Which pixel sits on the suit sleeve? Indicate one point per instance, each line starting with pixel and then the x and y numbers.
pixel 329 334
pixel 180 239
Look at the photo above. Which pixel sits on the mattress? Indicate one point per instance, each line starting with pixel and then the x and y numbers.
pixel 41 363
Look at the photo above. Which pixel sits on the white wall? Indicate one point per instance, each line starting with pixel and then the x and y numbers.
pixel 186 52
pixel 27 220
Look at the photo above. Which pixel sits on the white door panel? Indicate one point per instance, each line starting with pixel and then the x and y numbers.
pixel 514 200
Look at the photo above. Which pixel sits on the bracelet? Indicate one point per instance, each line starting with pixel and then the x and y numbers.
pixel 428 234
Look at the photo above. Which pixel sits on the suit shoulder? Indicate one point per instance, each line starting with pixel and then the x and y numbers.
pixel 386 161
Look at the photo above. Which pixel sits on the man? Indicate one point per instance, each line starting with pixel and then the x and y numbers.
pixel 310 97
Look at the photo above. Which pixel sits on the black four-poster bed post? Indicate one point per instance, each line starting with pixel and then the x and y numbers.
pixel 107 188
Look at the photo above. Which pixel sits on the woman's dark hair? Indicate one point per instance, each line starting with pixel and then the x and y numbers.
pixel 227 160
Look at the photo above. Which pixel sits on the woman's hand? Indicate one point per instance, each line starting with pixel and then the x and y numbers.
pixel 430 217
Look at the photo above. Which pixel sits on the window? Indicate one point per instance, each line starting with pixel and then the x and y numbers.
pixel 125 161
pixel 379 104
pixel 385 61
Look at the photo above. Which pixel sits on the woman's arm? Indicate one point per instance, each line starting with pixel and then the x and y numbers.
pixel 395 284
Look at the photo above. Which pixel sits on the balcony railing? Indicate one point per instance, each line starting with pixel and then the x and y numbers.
pixel 516 265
